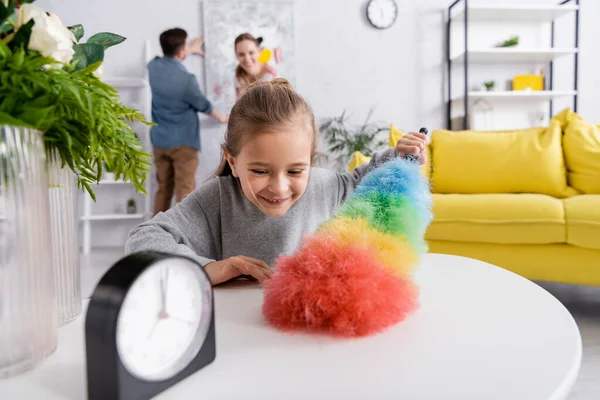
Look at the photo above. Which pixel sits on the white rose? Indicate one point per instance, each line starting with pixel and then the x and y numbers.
pixel 98 72
pixel 49 36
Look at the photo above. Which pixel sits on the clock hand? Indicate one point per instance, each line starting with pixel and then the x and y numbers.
pixel 153 328
pixel 163 290
pixel 176 318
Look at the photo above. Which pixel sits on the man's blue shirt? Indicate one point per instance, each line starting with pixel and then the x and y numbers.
pixel 176 100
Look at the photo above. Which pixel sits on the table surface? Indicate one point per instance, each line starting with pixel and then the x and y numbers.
pixel 481 332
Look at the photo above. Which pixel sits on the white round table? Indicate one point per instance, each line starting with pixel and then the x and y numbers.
pixel 481 332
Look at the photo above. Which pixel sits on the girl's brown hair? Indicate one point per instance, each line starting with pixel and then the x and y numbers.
pixel 266 107
pixel 241 75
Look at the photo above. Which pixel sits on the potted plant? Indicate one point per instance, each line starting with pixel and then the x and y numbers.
pixel 131 207
pixel 510 42
pixel 49 81
pixel 489 85
pixel 343 140
pixel 50 88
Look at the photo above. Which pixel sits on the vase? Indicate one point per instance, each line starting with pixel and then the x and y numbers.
pixel 28 317
pixel 62 188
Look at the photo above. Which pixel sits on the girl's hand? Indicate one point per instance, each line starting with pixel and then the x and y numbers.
pixel 232 267
pixel 413 143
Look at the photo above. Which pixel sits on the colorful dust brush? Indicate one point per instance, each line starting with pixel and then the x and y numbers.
pixel 353 277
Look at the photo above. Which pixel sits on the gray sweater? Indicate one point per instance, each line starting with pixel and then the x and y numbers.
pixel 217 221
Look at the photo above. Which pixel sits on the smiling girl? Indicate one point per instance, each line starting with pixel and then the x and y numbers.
pixel 265 196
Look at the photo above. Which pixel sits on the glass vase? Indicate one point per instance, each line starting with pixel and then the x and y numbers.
pixel 28 317
pixel 62 187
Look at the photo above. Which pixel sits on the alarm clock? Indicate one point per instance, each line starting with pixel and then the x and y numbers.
pixel 149 325
pixel 382 13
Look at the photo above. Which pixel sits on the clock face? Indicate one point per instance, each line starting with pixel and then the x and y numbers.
pixel 164 319
pixel 382 13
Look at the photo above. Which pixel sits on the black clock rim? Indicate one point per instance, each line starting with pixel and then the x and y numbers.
pixel 107 377
pixel 382 27
pixel 111 290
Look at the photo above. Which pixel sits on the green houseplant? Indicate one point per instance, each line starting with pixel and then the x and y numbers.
pixel 343 140
pixel 49 81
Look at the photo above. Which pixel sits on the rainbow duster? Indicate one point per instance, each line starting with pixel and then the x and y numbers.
pixel 353 277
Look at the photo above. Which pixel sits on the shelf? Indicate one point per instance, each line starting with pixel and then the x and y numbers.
pixel 126 82
pixel 112 217
pixel 109 182
pixel 515 13
pixel 538 95
pixel 504 55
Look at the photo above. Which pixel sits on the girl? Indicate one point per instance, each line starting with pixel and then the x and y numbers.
pixel 249 70
pixel 264 196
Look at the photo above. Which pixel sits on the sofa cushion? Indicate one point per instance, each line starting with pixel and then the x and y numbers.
pixel 359 158
pixel 581 144
pixel 498 218
pixel 519 161
pixel 583 220
pixel 395 135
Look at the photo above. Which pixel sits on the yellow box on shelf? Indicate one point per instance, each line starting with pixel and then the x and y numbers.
pixel 528 82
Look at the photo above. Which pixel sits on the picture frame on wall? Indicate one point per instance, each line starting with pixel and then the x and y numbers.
pixel 223 21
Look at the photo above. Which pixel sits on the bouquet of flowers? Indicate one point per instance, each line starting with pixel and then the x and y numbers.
pixel 49 80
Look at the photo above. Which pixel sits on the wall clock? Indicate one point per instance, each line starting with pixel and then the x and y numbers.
pixel 382 13
pixel 149 325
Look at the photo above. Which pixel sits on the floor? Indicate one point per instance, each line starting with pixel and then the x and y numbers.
pixel 584 305
pixel 582 302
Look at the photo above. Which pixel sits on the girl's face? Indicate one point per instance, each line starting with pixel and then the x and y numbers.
pixel 247 55
pixel 273 169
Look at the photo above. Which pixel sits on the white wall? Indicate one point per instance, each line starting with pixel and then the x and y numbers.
pixel 342 63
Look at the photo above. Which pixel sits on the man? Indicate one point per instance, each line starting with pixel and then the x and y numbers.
pixel 176 100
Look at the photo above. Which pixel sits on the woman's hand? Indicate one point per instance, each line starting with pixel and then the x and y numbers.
pixel 413 143
pixel 232 267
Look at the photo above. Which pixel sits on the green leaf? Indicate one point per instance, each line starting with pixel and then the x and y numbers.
pixel 6 10
pixel 78 31
pixel 6 119
pixel 74 91
pixel 18 58
pixel 5 27
pixel 87 54
pixel 88 188
pixel 37 116
pixel 106 39
pixel 89 69
pixel 22 36
pixel 4 51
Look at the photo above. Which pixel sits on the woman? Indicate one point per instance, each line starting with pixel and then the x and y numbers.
pixel 249 70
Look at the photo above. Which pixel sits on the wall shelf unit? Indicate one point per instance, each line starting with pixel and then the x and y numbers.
pixel 113 217
pixel 108 187
pixel 508 55
pixel 534 95
pixel 468 53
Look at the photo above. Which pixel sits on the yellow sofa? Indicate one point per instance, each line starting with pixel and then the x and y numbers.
pixel 526 200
